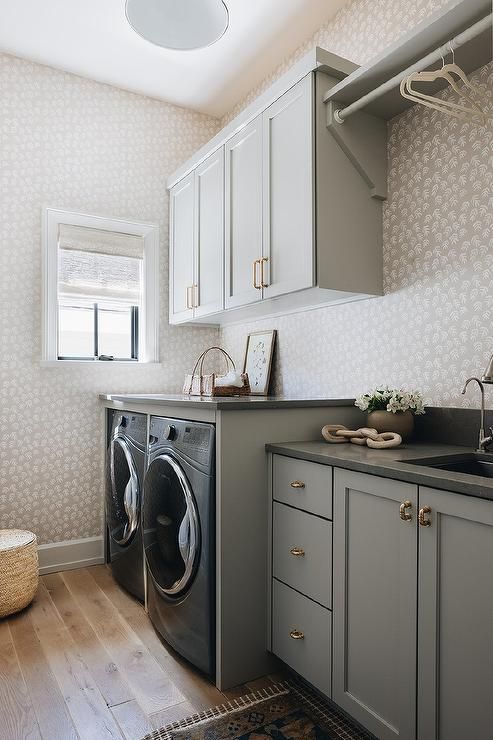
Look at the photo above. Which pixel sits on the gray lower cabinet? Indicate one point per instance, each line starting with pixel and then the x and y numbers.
pixel 405 641
pixel 374 602
pixel 455 618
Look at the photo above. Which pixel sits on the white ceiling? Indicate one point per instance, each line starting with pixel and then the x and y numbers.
pixel 92 38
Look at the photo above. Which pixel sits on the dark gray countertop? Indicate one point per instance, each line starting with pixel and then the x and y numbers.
pixel 391 463
pixel 227 404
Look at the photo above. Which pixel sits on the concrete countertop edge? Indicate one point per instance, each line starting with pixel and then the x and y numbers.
pixel 224 404
pixel 397 469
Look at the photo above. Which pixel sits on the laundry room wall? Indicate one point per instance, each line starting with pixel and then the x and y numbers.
pixel 432 328
pixel 67 142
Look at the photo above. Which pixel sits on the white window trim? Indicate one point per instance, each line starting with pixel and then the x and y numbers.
pixel 149 326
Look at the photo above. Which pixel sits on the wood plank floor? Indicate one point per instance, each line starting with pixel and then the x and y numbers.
pixel 85 662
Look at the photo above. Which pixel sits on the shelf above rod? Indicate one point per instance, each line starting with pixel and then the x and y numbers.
pixel 340 115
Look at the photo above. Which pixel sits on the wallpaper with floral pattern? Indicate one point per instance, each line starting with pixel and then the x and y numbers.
pixel 434 326
pixel 71 143
pixel 67 142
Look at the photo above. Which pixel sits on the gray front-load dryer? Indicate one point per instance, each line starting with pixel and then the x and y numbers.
pixel 125 465
pixel 179 537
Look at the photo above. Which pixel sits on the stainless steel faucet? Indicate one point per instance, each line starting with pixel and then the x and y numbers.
pixel 483 441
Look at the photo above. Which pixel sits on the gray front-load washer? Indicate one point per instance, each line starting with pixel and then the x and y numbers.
pixel 179 537
pixel 125 465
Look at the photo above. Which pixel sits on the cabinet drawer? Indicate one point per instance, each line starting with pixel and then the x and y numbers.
pixel 311 572
pixel 311 655
pixel 303 484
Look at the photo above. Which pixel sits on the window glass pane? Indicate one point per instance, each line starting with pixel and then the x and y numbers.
pixel 115 331
pixel 75 331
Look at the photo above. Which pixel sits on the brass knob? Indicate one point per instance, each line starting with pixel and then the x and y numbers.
pixel 402 511
pixel 297 635
pixel 422 516
pixel 297 552
pixel 297 484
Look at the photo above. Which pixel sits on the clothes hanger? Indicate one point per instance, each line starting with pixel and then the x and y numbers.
pixel 446 106
pixel 446 73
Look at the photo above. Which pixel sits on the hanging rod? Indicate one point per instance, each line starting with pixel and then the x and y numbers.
pixel 475 30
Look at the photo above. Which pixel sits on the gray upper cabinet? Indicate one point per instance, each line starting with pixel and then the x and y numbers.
pixel 301 228
pixel 197 242
pixel 455 616
pixel 243 244
pixel 182 238
pixel 209 236
pixel 288 152
pixel 374 602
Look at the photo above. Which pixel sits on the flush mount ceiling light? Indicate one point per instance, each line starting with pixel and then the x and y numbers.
pixel 178 24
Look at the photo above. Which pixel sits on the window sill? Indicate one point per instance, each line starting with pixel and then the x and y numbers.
pixel 92 363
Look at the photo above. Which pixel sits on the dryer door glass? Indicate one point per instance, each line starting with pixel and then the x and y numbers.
pixel 122 492
pixel 171 527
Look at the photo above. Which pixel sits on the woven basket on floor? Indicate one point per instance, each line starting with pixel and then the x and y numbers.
pixel 18 570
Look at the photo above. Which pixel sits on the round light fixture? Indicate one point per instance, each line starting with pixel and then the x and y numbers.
pixel 178 24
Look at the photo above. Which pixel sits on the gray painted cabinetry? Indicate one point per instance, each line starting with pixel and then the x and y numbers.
pixel 375 576
pixel 271 205
pixel 404 641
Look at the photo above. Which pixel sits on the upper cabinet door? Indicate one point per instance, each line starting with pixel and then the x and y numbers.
pixel 374 602
pixel 181 250
pixel 288 223
pixel 243 238
pixel 209 240
pixel 455 614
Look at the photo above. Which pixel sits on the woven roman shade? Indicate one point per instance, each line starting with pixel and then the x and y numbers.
pixel 85 239
pixel 99 264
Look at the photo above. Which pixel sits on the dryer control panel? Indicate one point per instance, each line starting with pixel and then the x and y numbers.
pixel 192 438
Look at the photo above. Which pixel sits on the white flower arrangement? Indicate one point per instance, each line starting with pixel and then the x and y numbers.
pixel 391 399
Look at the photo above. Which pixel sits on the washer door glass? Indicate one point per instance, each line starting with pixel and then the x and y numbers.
pixel 122 492
pixel 171 526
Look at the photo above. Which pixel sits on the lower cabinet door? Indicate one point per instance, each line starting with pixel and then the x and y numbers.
pixel 302 635
pixel 374 602
pixel 455 618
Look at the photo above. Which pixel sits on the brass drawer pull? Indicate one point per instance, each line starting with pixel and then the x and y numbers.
pixel 297 552
pixel 263 284
pixel 422 516
pixel 403 513
pixel 297 635
pixel 297 484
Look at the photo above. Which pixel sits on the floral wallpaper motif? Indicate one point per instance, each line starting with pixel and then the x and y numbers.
pixel 71 143
pixel 433 327
pixel 67 142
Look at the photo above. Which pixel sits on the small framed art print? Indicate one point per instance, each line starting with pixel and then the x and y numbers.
pixel 258 360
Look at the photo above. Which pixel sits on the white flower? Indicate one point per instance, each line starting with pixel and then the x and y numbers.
pixel 391 399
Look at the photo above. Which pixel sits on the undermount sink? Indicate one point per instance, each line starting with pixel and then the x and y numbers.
pixel 472 463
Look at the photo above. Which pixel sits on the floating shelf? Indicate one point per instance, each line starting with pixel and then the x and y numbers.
pixel 434 31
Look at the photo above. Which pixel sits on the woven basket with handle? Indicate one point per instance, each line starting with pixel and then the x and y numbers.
pixel 18 570
pixel 198 384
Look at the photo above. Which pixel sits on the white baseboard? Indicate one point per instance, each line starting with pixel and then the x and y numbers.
pixel 70 554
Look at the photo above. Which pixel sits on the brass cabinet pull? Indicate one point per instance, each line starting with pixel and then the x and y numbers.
pixel 263 284
pixel 297 484
pixel 422 516
pixel 195 293
pixel 298 552
pixel 403 513
pixel 297 635
pixel 188 297
pixel 255 284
